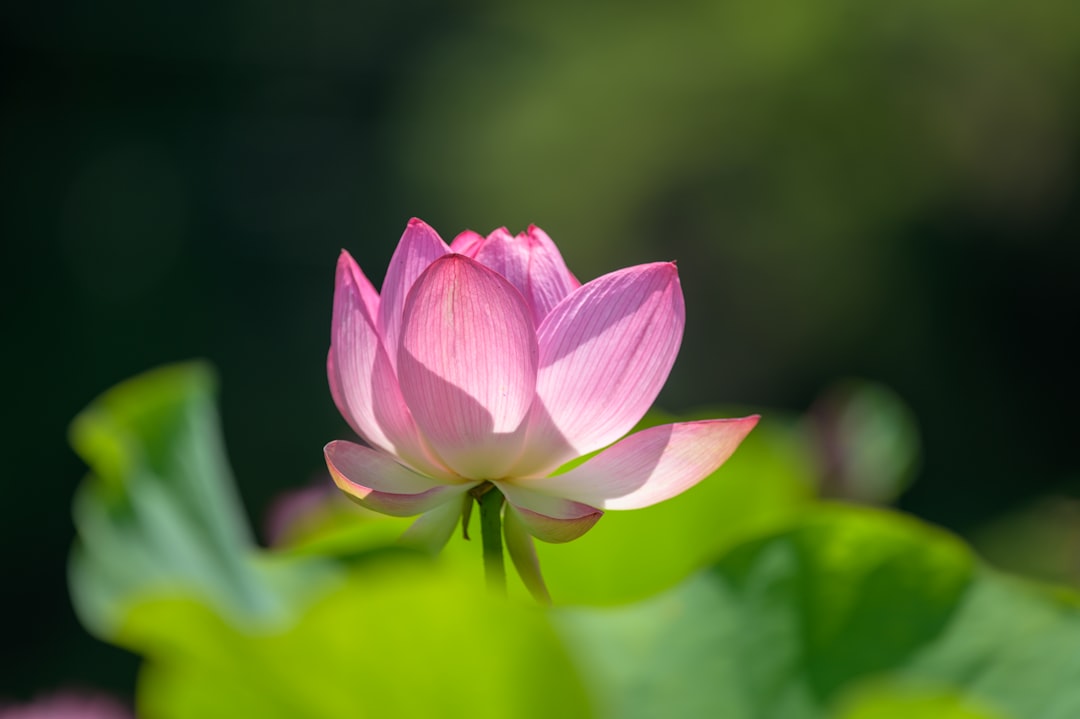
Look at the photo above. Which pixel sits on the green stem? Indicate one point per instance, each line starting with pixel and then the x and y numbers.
pixel 491 502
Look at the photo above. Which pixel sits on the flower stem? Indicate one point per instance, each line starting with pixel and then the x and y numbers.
pixel 491 502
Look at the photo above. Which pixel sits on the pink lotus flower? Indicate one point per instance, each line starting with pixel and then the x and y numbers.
pixel 487 361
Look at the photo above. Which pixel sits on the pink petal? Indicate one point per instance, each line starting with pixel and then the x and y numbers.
pixel 368 295
pixel 467 243
pixel 651 465
pixel 376 481
pixel 337 392
pixel 467 365
pixel 532 264
pixel 551 279
pixel 503 253
pixel 548 518
pixel 605 352
pixel 522 551
pixel 362 380
pixel 417 249
pixel 353 345
pixel 433 529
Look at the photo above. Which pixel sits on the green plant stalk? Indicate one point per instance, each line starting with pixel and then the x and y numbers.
pixel 491 503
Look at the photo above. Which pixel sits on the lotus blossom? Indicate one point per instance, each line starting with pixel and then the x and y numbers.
pixel 487 361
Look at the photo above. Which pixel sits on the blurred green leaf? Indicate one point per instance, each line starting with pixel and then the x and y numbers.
pixel 393 639
pixel 811 611
pixel 1040 540
pixel 884 700
pixel 165 566
pixel 335 526
pixel 1014 645
pixel 794 625
pixel 159 513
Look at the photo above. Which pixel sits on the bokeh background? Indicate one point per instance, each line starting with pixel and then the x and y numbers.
pixel 888 191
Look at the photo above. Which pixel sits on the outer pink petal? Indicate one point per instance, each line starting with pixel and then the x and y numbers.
pixel 433 529
pixel 354 344
pixel 418 248
pixel 548 518
pixel 522 551
pixel 362 380
pixel 350 279
pixel 467 243
pixel 605 352
pixel 376 481
pixel 467 364
pixel 651 465
pixel 368 295
pixel 532 264
pixel 337 392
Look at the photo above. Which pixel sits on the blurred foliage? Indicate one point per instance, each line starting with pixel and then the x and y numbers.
pixel 160 514
pixel 165 567
pixel 812 619
pixel 389 640
pixel 906 702
pixel 1040 539
pixel 802 610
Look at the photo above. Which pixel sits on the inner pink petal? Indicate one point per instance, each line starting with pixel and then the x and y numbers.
pixel 467 365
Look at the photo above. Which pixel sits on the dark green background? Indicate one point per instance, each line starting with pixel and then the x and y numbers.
pixel 887 192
